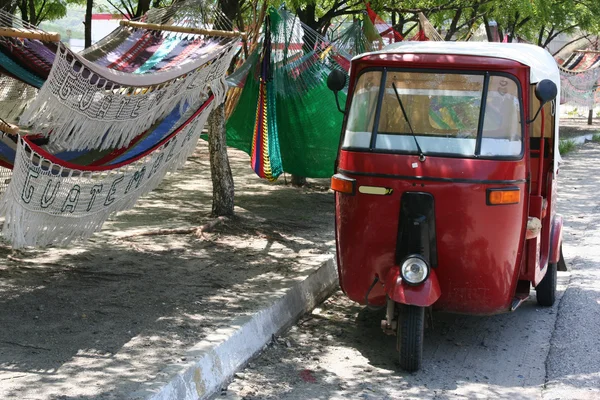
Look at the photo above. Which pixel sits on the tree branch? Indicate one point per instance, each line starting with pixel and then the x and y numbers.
pixel 409 30
pixel 552 35
pixel 523 22
pixel 570 43
pixel 450 5
pixel 197 231
pixel 118 9
pixel 541 36
pixel 452 29
pixel 132 9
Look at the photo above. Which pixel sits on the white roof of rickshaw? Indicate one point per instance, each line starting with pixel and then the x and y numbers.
pixel 542 65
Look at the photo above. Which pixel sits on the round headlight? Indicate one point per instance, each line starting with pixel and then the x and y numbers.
pixel 414 270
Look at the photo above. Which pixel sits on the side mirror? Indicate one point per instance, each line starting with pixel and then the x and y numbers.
pixel 336 81
pixel 545 91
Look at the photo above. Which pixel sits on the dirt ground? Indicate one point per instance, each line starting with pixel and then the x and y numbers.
pixel 99 318
pixel 571 127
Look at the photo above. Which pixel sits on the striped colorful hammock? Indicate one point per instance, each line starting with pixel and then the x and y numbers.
pixel 109 124
pixel 50 201
pixel 385 30
pixel 580 61
pixel 294 118
pixel 580 79
pixel 265 158
pixel 87 106
pixel 295 122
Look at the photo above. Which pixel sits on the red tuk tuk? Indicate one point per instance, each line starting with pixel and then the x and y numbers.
pixel 445 184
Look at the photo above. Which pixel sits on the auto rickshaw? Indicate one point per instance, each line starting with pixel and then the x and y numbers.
pixel 445 183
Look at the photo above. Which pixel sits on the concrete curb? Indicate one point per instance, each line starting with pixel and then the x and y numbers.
pixel 580 139
pixel 219 356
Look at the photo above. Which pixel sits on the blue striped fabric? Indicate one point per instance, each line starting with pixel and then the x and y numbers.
pixel 164 50
pixel 164 128
pixel 175 52
pixel 18 71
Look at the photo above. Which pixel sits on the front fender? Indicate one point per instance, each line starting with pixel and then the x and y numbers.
pixel 556 239
pixel 422 295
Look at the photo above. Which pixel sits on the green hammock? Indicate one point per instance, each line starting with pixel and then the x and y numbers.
pixel 307 124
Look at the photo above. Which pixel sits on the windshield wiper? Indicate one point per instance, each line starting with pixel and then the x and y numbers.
pixel 421 154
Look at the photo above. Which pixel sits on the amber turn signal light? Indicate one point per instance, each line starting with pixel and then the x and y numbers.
pixel 503 196
pixel 342 184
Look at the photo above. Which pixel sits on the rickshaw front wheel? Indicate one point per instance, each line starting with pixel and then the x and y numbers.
pixel 411 325
pixel 545 291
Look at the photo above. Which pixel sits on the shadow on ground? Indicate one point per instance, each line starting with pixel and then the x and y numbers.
pixel 98 318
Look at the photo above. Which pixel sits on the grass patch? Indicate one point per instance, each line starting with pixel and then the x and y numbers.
pixel 573 113
pixel 566 146
pixel 596 137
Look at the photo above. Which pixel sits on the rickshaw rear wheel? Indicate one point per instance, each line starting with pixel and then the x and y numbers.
pixel 546 289
pixel 409 338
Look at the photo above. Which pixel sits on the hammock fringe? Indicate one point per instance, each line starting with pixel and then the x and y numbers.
pixel 46 203
pixel 109 123
pixel 81 115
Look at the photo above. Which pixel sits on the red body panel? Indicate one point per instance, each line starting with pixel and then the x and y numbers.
pixel 537 248
pixel 480 248
pixel 422 295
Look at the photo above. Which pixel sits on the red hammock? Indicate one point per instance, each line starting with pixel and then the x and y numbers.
pixel 385 30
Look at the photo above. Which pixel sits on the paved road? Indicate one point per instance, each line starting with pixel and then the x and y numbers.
pixel 339 351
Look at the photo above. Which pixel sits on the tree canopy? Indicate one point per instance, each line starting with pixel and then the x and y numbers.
pixel 534 21
pixel 38 11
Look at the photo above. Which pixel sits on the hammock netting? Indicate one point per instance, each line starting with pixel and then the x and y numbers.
pixel 352 39
pixel 286 118
pixel 104 126
pixel 387 33
pixel 580 79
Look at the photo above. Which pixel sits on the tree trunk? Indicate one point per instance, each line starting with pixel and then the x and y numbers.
pixel 220 171
pixel 308 16
pixel 590 115
pixel 24 12
pixel 231 9
pixel 298 180
pixel 32 17
pixel 541 36
pixel 452 29
pixel 6 5
pixel 87 24
pixel 142 7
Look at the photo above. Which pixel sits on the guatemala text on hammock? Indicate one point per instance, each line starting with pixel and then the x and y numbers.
pixel 108 124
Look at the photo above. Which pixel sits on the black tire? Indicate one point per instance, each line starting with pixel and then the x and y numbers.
pixel 409 339
pixel 546 289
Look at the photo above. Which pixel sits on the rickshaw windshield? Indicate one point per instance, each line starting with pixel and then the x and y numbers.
pixel 457 114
